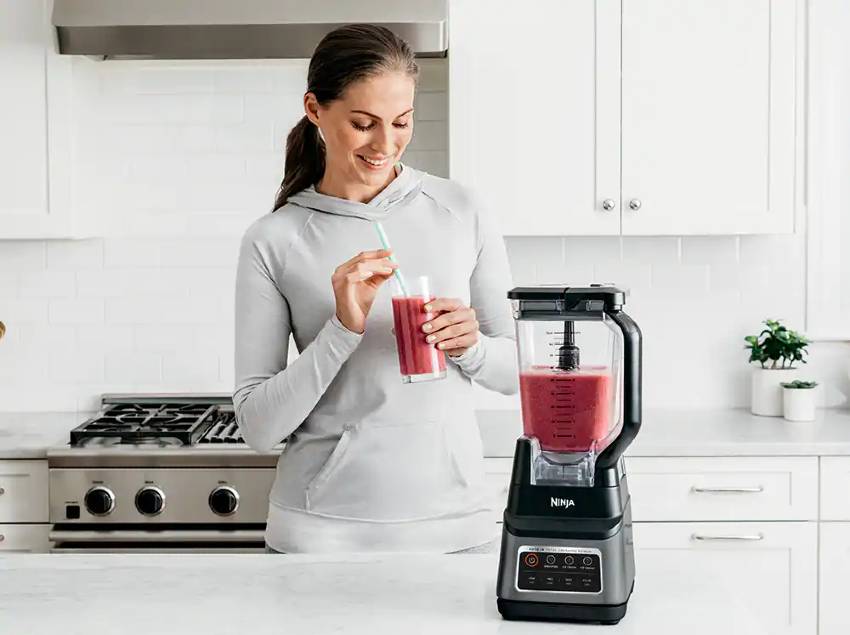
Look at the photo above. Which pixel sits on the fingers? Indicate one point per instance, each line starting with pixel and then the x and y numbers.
pixel 452 332
pixel 456 345
pixel 464 314
pixel 360 271
pixel 438 305
pixel 363 256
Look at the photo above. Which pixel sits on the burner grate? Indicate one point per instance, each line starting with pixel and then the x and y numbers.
pixel 137 423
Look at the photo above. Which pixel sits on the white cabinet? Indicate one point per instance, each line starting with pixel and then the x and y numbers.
pixel 834 573
pixel 765 571
pixel 34 126
pixel 723 488
pixel 534 112
pixel 709 116
pixel 683 118
pixel 24 538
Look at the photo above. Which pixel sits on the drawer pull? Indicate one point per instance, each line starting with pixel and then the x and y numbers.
pixel 2 491
pixel 2 537
pixel 727 490
pixel 703 537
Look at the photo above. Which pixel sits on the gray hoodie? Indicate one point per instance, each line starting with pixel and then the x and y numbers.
pixel 370 463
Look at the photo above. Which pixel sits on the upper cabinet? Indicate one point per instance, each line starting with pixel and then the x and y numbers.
pixel 34 125
pixel 633 117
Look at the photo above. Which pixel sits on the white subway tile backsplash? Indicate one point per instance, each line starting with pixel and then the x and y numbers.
pixel 134 367
pixel 710 250
pixel 195 366
pixel 103 338
pixel 82 366
pixel 76 311
pixel 77 254
pixel 654 250
pixel 680 278
pixel 22 310
pixel 591 249
pixel 131 252
pixel 47 284
pixel 24 255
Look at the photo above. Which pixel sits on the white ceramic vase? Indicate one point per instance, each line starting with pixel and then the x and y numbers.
pixel 798 404
pixel 766 398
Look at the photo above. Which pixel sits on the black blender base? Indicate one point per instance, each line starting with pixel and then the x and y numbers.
pixel 557 612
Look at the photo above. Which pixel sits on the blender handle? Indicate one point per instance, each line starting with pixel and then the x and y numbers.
pixel 631 390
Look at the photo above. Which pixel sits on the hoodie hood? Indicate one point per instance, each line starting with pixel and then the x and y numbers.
pixel 405 186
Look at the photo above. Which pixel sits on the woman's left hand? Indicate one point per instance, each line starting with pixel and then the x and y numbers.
pixel 455 329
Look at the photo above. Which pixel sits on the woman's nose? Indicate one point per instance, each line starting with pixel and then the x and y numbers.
pixel 383 141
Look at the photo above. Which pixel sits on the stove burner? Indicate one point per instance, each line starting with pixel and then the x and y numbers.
pixel 180 424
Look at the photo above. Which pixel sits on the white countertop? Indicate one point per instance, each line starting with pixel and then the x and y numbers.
pixel 722 432
pixel 276 594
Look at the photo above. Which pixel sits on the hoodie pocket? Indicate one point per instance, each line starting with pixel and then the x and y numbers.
pixel 392 472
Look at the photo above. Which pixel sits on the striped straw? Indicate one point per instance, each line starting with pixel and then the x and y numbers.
pixel 385 242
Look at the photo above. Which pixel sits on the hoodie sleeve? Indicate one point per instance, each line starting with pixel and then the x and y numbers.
pixel 492 362
pixel 270 399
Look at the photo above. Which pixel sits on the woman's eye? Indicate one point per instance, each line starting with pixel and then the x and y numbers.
pixel 359 127
pixel 402 125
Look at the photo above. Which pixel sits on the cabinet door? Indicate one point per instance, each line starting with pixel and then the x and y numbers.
pixel 750 578
pixel 24 538
pixel 834 573
pixel 709 116
pixel 35 192
pixel 534 112
pixel 23 491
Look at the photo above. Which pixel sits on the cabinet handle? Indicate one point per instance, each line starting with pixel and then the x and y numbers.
pixel 742 537
pixel 2 537
pixel 727 490
pixel 635 204
pixel 2 491
pixel 608 204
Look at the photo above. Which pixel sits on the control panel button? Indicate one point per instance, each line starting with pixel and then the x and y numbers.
pixel 99 501
pixel 224 500
pixel 531 559
pixel 587 561
pixel 150 501
pixel 550 559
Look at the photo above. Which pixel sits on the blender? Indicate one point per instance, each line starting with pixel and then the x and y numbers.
pixel 567 551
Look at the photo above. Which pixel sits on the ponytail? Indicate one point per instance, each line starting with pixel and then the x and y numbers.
pixel 305 160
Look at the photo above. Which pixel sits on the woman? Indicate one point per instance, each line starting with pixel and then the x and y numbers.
pixel 370 464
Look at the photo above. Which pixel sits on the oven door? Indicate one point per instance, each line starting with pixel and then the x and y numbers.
pixel 196 540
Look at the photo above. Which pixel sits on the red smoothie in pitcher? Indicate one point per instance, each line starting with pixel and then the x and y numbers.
pixel 415 355
pixel 567 411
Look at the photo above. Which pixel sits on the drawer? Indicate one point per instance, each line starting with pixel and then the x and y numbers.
pixel 23 491
pixel 24 538
pixel 835 488
pixel 752 577
pixel 723 488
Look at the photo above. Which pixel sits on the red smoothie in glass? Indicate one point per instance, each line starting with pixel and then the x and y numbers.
pixel 415 355
pixel 567 411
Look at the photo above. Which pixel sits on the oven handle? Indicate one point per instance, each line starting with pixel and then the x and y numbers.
pixel 151 536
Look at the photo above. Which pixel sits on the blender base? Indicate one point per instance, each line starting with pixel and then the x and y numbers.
pixel 558 612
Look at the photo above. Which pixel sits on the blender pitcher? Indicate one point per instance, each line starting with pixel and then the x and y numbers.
pixel 570 381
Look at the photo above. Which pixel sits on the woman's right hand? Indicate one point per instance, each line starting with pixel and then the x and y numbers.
pixel 356 282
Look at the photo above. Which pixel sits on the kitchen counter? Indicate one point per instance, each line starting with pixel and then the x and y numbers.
pixel 27 435
pixel 721 432
pixel 258 594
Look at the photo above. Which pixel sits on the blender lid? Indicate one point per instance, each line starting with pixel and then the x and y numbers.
pixel 560 298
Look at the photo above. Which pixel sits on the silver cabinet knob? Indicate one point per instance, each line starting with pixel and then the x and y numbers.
pixel 2 491
pixel 608 204
pixel 2 537
pixel 635 204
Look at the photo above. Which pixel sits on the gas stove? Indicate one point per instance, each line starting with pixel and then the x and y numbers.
pixel 159 472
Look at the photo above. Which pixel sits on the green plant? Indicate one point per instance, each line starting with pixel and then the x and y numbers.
pixel 798 383
pixel 777 344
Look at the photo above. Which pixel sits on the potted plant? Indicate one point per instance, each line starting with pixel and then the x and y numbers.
pixel 798 400
pixel 776 349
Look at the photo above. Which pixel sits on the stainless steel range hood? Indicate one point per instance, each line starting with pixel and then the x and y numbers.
pixel 235 29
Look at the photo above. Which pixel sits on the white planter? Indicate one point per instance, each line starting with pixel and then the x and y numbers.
pixel 798 404
pixel 766 390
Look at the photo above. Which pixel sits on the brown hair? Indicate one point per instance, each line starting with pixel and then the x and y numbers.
pixel 344 56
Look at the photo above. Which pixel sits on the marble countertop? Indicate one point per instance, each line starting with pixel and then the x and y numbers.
pixel 222 594
pixel 721 432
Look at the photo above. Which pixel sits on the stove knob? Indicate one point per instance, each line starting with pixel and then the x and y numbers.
pixel 99 501
pixel 224 500
pixel 150 500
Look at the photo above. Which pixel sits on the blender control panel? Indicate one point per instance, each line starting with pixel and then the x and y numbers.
pixel 566 569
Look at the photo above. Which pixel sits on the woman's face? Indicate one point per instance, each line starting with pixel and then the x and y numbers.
pixel 367 129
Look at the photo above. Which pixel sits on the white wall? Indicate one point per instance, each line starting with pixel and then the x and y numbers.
pixel 180 157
